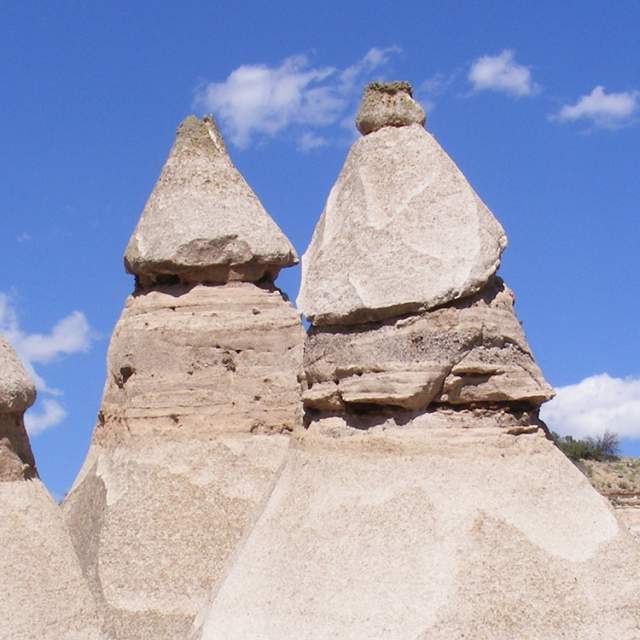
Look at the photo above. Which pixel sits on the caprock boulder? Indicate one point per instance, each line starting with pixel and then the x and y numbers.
pixel 202 392
pixel 44 593
pixel 423 501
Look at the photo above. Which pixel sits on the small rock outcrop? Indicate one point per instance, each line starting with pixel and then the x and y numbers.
pixel 423 499
pixel 44 594
pixel 202 392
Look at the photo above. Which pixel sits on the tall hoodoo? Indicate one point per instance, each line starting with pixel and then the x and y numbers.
pixel 202 391
pixel 423 500
pixel 44 594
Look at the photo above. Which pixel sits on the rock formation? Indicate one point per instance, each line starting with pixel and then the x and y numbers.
pixel 44 595
pixel 202 391
pixel 423 499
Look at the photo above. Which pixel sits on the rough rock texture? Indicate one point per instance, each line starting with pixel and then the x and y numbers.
pixel 402 231
pixel 17 392
pixel 472 351
pixel 388 105
pixel 202 390
pixel 44 594
pixel 434 525
pixel 202 222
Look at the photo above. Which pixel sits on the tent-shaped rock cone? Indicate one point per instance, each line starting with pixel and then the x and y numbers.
pixel 202 222
pixel 44 593
pixel 202 391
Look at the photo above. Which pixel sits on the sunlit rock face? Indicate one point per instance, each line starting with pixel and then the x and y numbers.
pixel 202 392
pixel 44 593
pixel 202 222
pixel 423 499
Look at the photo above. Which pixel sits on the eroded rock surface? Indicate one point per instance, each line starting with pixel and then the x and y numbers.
pixel 472 351
pixel 202 222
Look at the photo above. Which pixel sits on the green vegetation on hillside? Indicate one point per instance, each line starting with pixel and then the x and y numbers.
pixel 603 447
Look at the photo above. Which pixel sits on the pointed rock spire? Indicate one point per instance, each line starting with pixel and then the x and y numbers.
pixel 202 222
pixel 402 229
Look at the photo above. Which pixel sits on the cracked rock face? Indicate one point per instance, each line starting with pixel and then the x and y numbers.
pixel 202 222
pixel 44 594
pixel 402 231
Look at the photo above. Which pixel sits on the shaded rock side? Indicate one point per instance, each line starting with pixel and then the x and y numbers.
pixel 402 231
pixel 433 525
pixel 202 222
pixel 472 351
pixel 202 390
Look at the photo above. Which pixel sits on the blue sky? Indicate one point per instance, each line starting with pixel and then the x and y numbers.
pixel 538 105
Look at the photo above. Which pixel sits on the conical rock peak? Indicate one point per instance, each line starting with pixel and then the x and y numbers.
pixel 202 222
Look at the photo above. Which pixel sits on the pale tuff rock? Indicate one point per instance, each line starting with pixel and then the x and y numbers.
pixel 402 231
pixel 208 359
pixel 202 222
pixel 202 391
pixel 388 104
pixel 439 527
pixel 44 595
pixel 472 351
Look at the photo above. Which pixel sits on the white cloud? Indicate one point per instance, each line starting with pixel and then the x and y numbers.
pixel 262 101
pixel 501 73
pixel 23 237
pixel 604 109
pixel 49 414
pixel 596 404
pixel 69 336
pixel 309 141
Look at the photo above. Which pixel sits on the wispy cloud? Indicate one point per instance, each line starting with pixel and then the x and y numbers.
pixel 259 101
pixel 47 414
pixel 605 110
pixel 502 73
pixel 309 141
pixel 69 336
pixel 596 404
